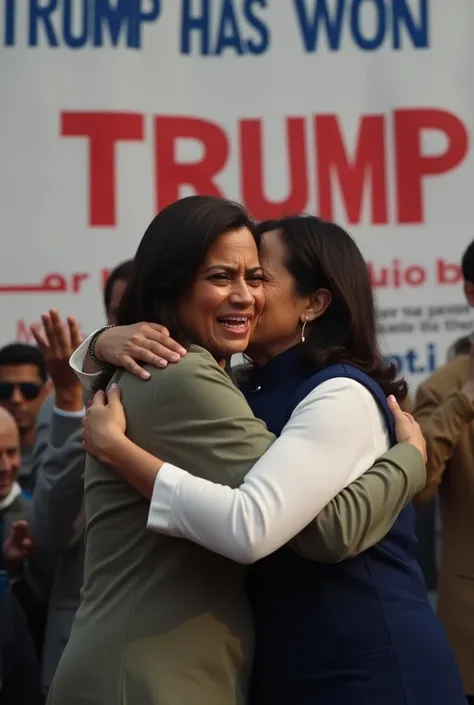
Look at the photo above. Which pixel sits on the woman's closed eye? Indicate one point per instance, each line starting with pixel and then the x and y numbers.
pixel 252 279
pixel 220 277
pixel 255 279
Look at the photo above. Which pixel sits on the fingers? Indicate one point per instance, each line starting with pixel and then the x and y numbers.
pixel 134 368
pixel 161 329
pixel 54 329
pixel 21 523
pixel 54 339
pixel 157 339
pixel 74 332
pixel 151 353
pixel 40 339
pixel 99 399
pixel 394 407
pixel 113 394
pixel 49 332
pixel 20 530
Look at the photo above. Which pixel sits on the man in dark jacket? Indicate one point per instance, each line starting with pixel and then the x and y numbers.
pixel 19 670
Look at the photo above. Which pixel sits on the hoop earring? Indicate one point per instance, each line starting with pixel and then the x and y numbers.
pixel 303 338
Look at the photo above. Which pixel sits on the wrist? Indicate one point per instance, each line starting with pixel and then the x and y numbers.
pixel 95 352
pixel 114 446
pixel 70 399
pixel 420 448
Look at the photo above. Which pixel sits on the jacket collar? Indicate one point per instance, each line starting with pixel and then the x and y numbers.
pixel 7 501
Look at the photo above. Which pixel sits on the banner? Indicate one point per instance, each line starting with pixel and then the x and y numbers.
pixel 356 110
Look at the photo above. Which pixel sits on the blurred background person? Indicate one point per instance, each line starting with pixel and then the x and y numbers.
pixel 22 570
pixel 57 514
pixel 445 411
pixel 114 289
pixel 23 388
pixel 462 345
pixel 57 521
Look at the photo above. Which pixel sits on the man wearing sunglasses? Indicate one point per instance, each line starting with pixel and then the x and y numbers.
pixel 23 389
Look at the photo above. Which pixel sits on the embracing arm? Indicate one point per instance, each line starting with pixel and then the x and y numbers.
pixel 296 478
pixel 279 497
pixel 364 512
pixel 356 519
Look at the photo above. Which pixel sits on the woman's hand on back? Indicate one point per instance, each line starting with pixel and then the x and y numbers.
pixel 127 346
pixel 104 425
pixel 406 428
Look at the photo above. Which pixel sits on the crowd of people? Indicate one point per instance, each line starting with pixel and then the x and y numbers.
pixel 185 542
pixel 42 463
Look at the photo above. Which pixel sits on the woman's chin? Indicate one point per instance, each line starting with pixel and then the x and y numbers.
pixel 225 349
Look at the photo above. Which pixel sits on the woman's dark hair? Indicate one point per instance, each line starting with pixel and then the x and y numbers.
pixel 322 255
pixel 168 258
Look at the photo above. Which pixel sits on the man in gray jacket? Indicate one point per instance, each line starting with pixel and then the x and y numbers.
pixel 57 516
pixel 56 521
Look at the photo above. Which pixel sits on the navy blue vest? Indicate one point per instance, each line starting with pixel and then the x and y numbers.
pixel 352 632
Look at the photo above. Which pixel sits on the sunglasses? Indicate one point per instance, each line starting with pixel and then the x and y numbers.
pixel 28 390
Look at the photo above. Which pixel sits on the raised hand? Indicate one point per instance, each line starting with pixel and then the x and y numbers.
pixel 57 342
pixel 17 547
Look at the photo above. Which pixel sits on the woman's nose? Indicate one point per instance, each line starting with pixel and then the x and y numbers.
pixel 242 295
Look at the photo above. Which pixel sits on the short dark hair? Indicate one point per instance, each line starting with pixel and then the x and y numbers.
pixel 322 255
pixel 170 254
pixel 22 354
pixel 121 273
pixel 467 264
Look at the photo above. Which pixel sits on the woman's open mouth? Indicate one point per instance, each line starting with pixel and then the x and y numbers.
pixel 236 325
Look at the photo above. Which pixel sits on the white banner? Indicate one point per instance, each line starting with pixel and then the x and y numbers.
pixel 358 110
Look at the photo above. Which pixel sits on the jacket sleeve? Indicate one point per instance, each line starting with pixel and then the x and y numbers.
pixel 43 425
pixel 191 413
pixel 56 518
pixel 442 420
pixel 294 481
pixel 365 511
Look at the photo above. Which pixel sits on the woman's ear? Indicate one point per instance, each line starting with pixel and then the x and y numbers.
pixel 317 304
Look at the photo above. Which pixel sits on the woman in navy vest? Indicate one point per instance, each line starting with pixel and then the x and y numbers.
pixel 359 631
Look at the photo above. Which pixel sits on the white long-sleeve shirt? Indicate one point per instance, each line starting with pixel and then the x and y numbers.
pixel 333 436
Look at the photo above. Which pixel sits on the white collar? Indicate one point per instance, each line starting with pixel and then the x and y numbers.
pixel 11 496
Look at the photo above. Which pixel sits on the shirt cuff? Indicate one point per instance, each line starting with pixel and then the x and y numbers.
pixel 164 490
pixel 76 361
pixel 70 414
